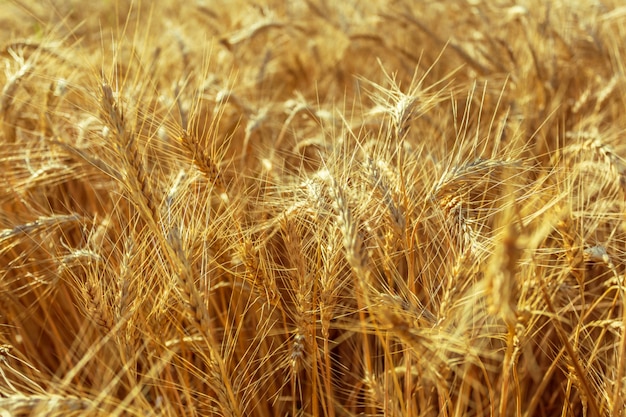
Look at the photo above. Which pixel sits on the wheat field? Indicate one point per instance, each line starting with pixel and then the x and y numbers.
pixel 312 208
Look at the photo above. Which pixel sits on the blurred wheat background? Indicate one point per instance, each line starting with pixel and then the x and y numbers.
pixel 312 208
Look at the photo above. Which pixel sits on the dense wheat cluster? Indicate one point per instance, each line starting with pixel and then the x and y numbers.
pixel 312 208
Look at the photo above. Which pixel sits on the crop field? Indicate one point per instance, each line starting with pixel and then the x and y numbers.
pixel 313 208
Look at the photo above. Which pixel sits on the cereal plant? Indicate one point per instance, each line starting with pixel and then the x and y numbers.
pixel 312 208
